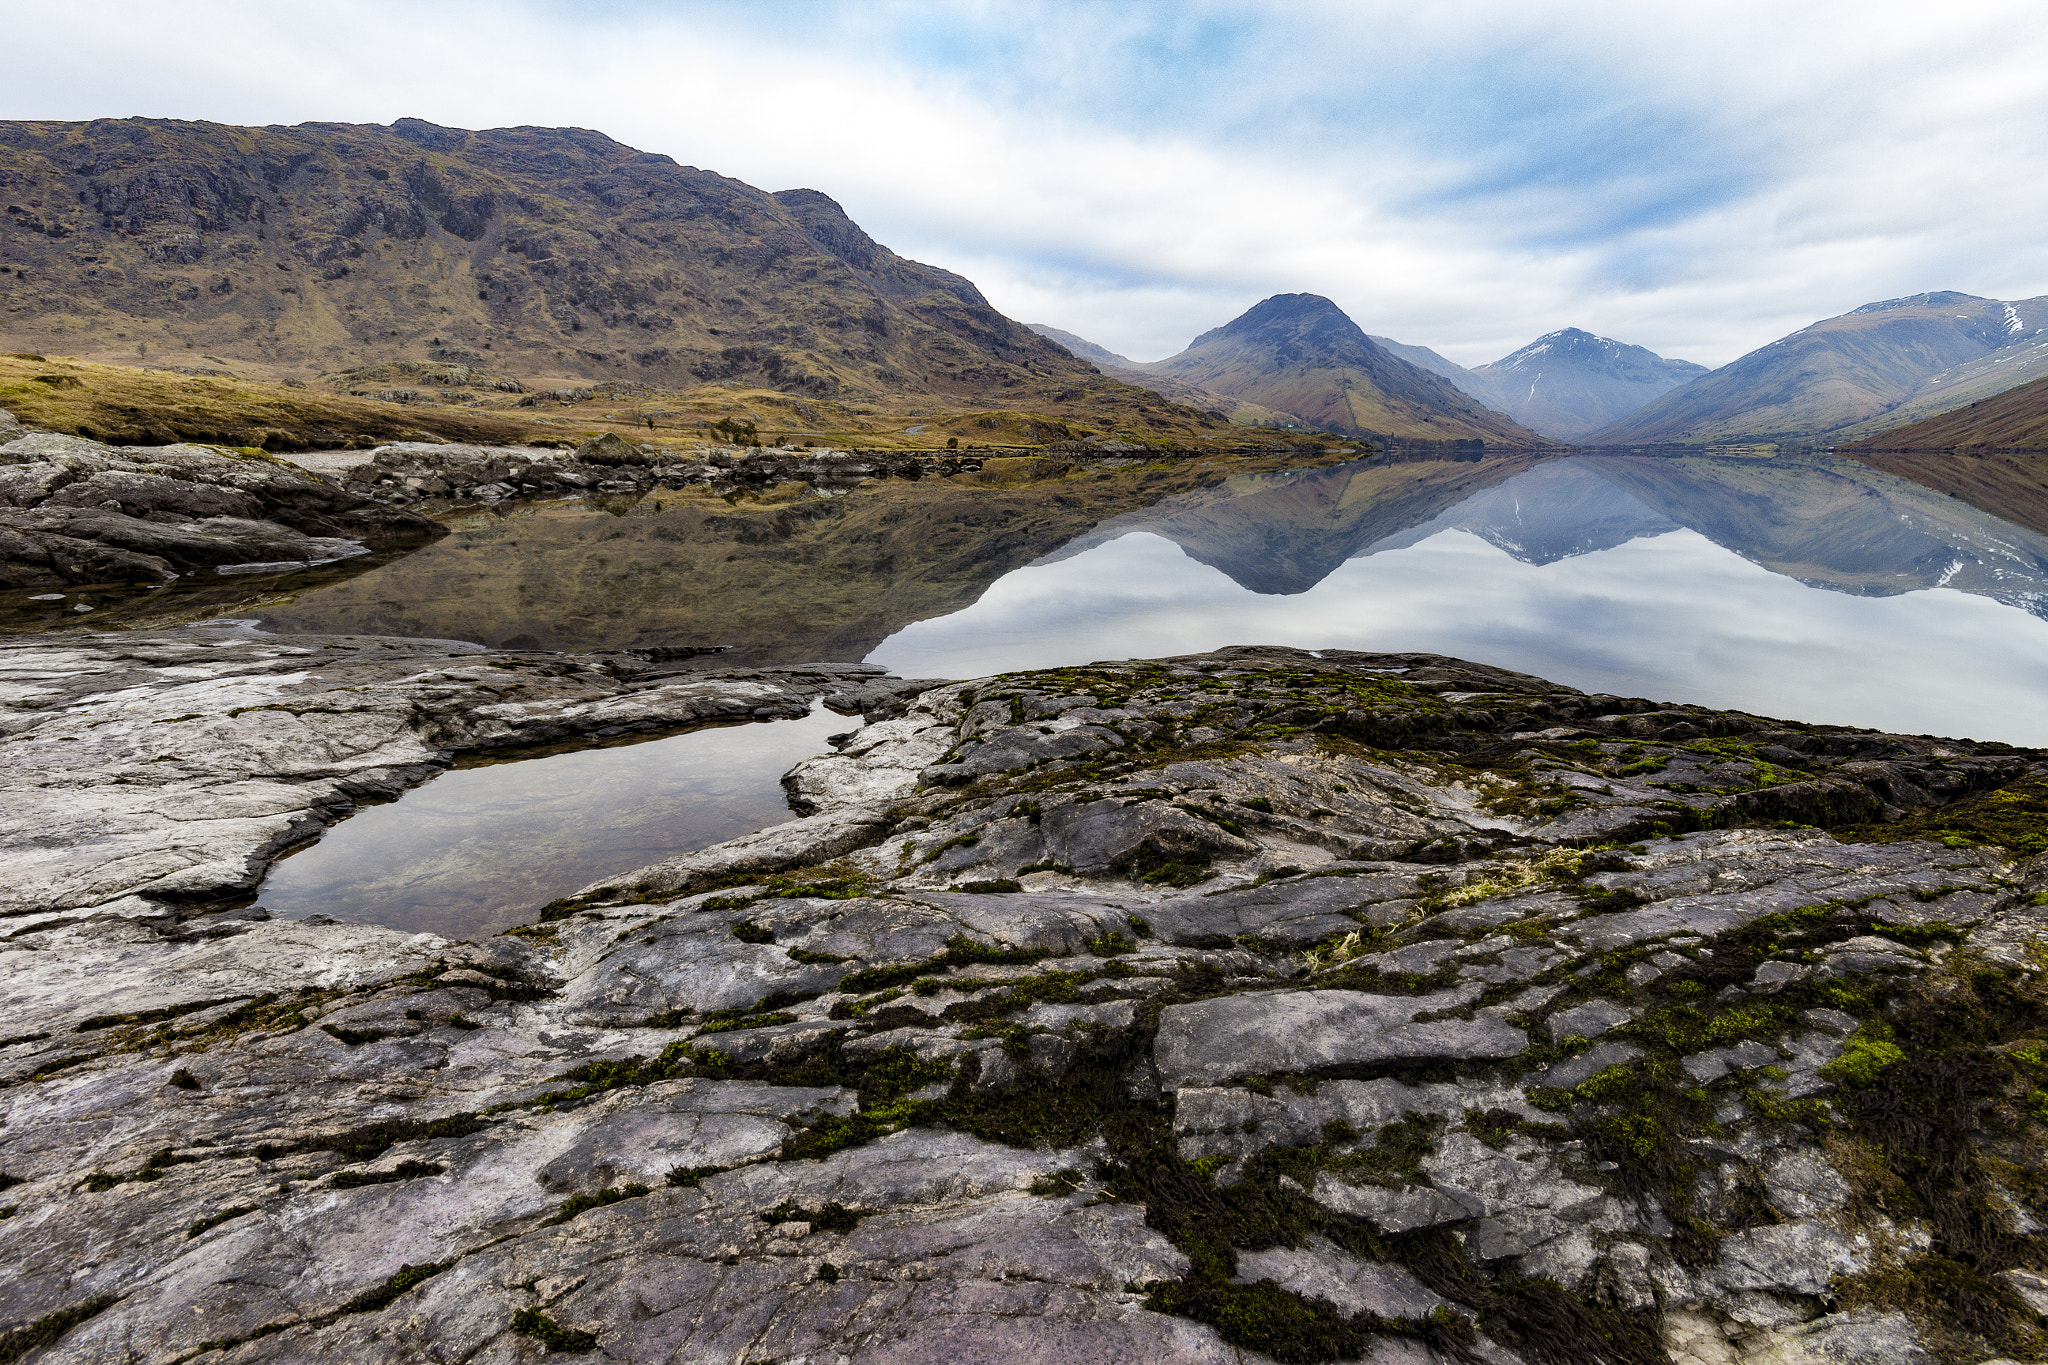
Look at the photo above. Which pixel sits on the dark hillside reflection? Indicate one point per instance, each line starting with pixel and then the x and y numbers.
pixel 810 578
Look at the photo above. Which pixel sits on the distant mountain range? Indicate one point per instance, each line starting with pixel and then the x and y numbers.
pixel 1561 386
pixel 557 256
pixel 1849 376
pixel 1847 379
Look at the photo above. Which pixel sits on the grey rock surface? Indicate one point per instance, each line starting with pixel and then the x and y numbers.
pixel 75 511
pixel 1080 1015
pixel 1252 1035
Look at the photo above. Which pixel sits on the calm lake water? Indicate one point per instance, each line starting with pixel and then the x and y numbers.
pixel 1811 589
pixel 1887 607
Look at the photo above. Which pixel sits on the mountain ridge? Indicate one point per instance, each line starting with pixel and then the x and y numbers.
pixel 1873 367
pixel 557 255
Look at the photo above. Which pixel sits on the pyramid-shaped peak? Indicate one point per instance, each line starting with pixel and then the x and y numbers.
pixel 1290 317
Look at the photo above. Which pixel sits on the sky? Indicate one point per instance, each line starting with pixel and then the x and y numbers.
pixel 1699 178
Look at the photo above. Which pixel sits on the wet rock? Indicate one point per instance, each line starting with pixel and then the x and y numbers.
pixel 1717 1062
pixel 1392 1211
pixel 1589 1020
pixel 1789 1258
pixel 1325 1271
pixel 1803 1183
pixel 1104 836
pixel 1573 1071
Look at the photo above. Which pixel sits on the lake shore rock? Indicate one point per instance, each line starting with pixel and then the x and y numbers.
pixel 1248 1006
pixel 74 511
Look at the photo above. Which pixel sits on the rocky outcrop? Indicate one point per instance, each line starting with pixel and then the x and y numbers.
pixel 153 769
pixel 417 472
pixel 73 511
pixel 1493 1022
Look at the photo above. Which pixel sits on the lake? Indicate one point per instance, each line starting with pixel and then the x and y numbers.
pixel 1811 588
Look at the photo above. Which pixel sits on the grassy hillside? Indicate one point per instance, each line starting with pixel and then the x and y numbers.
pixel 555 258
pixel 130 405
pixel 2014 419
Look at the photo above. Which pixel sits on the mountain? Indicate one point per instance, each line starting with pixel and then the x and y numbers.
pixel 1865 369
pixel 554 254
pixel 1570 382
pixel 1301 354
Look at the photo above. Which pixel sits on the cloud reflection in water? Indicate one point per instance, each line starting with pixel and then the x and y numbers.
pixel 1674 617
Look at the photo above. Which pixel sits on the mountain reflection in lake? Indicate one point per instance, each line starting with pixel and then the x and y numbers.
pixel 1812 589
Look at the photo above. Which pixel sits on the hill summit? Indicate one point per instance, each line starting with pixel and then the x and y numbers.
pixel 1570 382
pixel 1301 353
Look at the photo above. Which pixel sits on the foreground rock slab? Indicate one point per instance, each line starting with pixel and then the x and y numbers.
pixel 1241 1007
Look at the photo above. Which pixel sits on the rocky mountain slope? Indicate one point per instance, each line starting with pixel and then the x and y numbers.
pixel 1877 366
pixel 1301 354
pixel 547 253
pixel 1242 1007
pixel 1569 382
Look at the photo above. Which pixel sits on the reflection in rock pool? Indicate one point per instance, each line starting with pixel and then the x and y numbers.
pixel 477 849
pixel 1814 589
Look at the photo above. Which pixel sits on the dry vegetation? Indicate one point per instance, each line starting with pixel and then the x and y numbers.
pixel 144 405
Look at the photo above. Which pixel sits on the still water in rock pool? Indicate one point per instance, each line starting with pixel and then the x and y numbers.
pixel 478 849
pixel 1812 589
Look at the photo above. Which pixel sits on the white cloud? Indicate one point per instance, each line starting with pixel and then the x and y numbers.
pixel 1696 179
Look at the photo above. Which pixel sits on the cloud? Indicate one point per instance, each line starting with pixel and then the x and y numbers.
pixel 1465 175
